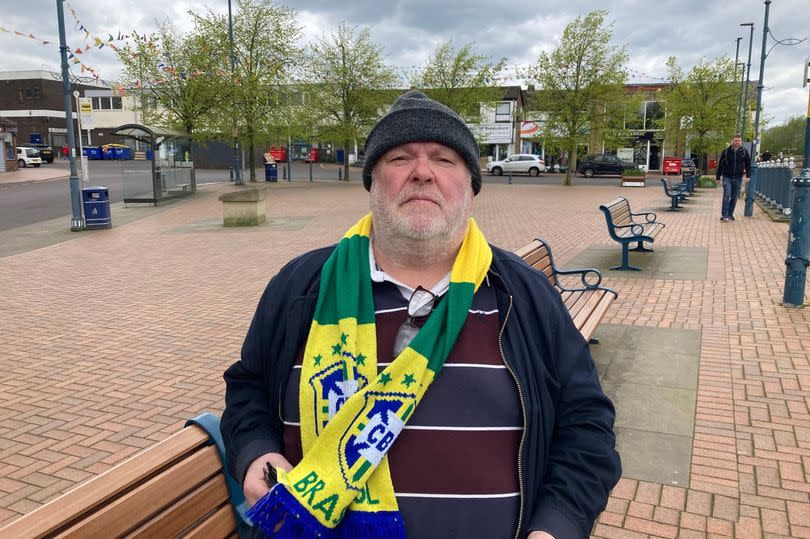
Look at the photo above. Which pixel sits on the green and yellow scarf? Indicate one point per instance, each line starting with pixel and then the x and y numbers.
pixel 350 414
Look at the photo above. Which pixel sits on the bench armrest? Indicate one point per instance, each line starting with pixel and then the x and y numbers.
pixel 646 215
pixel 583 275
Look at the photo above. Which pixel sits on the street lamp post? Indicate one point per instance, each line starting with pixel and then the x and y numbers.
pixel 751 189
pixel 76 219
pixel 237 161
pixel 798 251
pixel 747 79
pixel 742 76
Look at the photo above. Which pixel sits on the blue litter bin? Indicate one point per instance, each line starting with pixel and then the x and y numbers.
pixel 93 152
pixel 149 154
pixel 340 155
pixel 107 153
pixel 270 172
pixel 96 201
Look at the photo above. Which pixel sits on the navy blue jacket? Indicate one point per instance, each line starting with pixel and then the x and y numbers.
pixel 734 164
pixel 567 461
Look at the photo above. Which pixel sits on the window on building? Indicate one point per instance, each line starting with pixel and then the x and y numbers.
pixel 503 112
pixel 107 103
pixel 29 93
pixel 653 115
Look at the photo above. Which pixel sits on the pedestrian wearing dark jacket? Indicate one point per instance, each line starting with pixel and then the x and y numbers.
pixel 414 380
pixel 734 166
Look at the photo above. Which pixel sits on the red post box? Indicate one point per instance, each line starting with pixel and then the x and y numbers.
pixel 279 153
pixel 313 155
pixel 672 165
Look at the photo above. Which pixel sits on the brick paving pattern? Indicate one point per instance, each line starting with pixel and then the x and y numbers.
pixel 111 340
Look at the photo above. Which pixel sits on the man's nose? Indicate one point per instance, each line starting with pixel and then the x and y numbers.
pixel 422 170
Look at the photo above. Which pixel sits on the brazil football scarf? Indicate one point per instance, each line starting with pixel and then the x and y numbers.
pixel 351 414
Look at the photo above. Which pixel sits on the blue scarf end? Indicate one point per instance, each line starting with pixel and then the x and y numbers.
pixel 280 516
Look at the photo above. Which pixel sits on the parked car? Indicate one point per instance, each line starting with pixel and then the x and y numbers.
pixel 520 163
pixel 46 153
pixel 688 167
pixel 593 165
pixel 28 156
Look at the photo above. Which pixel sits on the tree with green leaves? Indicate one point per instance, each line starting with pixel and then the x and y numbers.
pixel 787 138
pixel 701 106
pixel 460 78
pixel 348 79
pixel 580 84
pixel 173 75
pixel 266 56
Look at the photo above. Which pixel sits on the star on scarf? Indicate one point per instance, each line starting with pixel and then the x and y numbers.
pixel 360 359
pixel 317 359
pixel 408 380
pixel 336 349
pixel 385 378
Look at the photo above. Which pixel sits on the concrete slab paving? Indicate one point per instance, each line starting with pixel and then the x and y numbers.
pixel 679 263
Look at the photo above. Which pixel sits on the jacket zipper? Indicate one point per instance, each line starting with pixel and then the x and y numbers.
pixel 522 409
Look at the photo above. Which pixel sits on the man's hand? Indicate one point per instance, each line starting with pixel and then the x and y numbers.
pixel 540 535
pixel 254 486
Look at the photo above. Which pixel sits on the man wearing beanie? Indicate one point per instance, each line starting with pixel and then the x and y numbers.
pixel 413 380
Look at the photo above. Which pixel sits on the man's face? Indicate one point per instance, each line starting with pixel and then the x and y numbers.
pixel 421 191
pixel 736 142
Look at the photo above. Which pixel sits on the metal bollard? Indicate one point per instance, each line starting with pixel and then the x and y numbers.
pixel 750 189
pixel 310 170
pixel 340 173
pixel 798 250
pixel 510 178
pixel 284 174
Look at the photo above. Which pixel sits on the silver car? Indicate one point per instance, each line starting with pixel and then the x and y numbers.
pixel 519 163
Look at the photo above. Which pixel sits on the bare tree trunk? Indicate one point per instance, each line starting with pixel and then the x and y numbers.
pixel 252 160
pixel 346 160
pixel 572 163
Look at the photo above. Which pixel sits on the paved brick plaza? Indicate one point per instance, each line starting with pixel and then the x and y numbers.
pixel 112 339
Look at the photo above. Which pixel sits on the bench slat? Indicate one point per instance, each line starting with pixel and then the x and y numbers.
pixel 191 508
pixel 66 509
pixel 596 316
pixel 586 309
pixel 133 507
pixel 221 524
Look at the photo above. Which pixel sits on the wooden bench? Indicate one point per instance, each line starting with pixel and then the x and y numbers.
pixel 676 193
pixel 177 488
pixel 625 229
pixel 587 303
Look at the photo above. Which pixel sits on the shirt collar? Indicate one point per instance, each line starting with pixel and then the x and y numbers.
pixel 378 275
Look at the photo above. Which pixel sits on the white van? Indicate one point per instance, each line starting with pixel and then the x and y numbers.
pixel 28 156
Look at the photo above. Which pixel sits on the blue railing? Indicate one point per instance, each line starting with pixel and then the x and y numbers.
pixel 773 184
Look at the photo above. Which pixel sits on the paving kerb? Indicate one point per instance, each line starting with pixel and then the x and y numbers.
pixel 111 340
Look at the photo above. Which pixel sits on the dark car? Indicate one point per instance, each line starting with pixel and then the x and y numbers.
pixel 45 152
pixel 688 167
pixel 593 165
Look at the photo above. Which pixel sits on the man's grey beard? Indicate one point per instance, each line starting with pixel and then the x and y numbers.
pixel 401 239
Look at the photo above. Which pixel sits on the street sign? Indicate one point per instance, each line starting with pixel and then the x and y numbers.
pixel 86 112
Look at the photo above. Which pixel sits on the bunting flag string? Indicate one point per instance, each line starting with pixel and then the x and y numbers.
pixel 92 39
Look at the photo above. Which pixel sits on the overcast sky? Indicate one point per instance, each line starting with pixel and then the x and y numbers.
pixel 409 31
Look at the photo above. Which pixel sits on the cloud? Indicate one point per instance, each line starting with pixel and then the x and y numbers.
pixel 409 30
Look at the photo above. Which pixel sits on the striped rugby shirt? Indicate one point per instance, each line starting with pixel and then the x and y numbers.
pixel 454 467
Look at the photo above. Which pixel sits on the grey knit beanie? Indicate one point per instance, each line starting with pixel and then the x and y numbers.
pixel 414 117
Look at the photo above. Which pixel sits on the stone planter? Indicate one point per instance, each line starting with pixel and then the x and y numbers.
pixel 245 207
pixel 633 181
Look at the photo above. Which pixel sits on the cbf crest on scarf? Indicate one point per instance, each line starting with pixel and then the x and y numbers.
pixel 350 414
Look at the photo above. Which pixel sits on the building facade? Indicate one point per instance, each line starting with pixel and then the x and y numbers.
pixel 34 100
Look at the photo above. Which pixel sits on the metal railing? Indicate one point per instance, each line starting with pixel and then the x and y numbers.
pixel 773 184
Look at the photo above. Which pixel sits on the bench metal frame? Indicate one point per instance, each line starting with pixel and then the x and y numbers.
pixel 637 231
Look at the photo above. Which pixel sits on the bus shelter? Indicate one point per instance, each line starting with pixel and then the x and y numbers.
pixel 165 170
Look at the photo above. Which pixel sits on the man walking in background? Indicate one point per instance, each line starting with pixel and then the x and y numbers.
pixel 733 166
